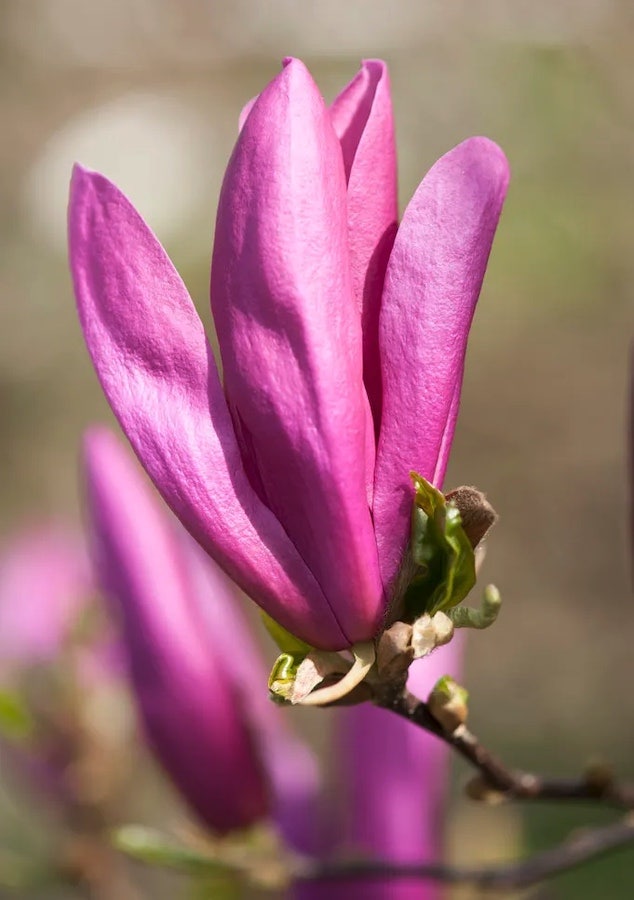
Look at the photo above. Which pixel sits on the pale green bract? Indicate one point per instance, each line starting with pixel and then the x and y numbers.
pixel 294 652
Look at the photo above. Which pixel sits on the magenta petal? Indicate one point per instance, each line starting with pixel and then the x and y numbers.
pixel 290 339
pixel 398 778
pixel 363 120
pixel 402 819
pixel 156 368
pixel 184 693
pixel 290 767
pixel 432 284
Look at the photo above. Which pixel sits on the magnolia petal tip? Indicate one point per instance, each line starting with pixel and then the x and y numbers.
pixel 375 66
pixel 87 185
pixel 292 63
pixel 81 175
pixel 488 153
pixel 95 440
pixel 295 72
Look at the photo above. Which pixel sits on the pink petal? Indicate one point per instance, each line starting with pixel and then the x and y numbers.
pixel 290 767
pixel 402 820
pixel 290 340
pixel 45 581
pixel 157 371
pixel 184 693
pixel 432 284
pixel 396 781
pixel 363 120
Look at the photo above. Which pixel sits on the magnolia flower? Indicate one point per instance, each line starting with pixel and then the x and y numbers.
pixel 342 343
pixel 194 671
pixel 392 785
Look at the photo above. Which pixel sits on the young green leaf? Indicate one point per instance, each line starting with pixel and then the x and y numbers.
pixel 441 552
pixel 286 641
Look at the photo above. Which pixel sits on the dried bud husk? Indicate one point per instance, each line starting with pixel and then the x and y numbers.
pixel 394 651
pixel 316 667
pixel 363 659
pixel 429 632
pixel 476 513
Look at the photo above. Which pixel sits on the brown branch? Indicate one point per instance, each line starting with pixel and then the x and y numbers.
pixel 595 785
pixel 577 849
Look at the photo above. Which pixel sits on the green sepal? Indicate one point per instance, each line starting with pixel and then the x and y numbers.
pixel 286 641
pixel 294 652
pixel 150 846
pixel 442 555
pixel 15 720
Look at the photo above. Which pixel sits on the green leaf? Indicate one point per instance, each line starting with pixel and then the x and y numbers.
pixel 15 720
pixel 150 846
pixel 467 617
pixel 441 552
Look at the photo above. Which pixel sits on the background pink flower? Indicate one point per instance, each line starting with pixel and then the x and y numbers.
pixel 45 582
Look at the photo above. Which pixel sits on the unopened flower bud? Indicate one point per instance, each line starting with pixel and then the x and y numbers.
pixel 478 789
pixel 448 703
pixel 599 777
pixel 430 632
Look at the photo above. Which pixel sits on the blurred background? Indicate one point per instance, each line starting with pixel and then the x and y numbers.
pixel 148 92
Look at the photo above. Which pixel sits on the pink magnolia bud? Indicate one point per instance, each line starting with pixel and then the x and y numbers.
pixel 200 690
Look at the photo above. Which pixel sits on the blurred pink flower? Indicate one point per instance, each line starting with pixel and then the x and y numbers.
pixel 194 669
pixel 46 591
pixel 334 328
pixel 392 783
pixel 45 582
